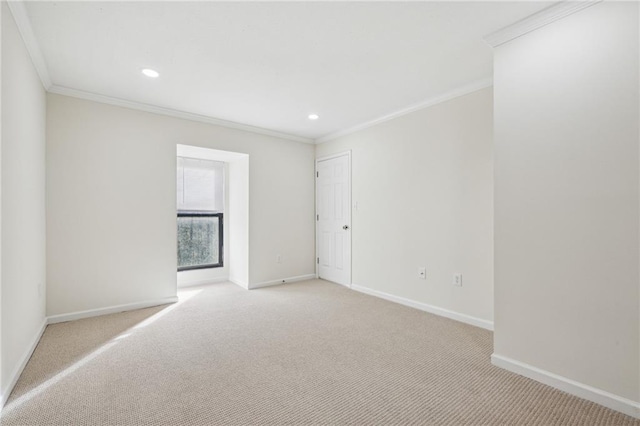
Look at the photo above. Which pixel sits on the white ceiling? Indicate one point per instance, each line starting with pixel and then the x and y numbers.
pixel 267 64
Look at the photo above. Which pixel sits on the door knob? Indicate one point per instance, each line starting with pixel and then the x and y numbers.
pixel 345 227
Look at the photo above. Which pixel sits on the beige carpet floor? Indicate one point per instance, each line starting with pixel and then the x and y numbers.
pixel 301 353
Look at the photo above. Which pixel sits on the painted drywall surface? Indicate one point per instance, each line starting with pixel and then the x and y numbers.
pixel 23 200
pixel 239 221
pixel 3 397
pixel 2 390
pixel 566 198
pixel 111 203
pixel 423 187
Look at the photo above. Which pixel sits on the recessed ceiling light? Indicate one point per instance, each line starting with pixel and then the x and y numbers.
pixel 313 116
pixel 150 73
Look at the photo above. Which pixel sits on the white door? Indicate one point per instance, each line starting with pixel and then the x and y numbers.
pixel 333 216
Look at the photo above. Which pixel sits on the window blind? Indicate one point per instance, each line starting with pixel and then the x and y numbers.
pixel 200 185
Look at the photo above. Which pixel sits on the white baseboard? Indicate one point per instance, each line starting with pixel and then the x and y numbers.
pixel 282 281
pixel 15 375
pixel 202 282
pixel 609 400
pixel 478 322
pixel 239 283
pixel 110 310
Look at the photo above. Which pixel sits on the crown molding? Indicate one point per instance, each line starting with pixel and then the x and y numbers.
pixel 537 20
pixel 21 17
pixel 60 90
pixel 460 91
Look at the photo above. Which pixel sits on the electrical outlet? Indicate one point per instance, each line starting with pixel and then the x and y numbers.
pixel 457 279
pixel 422 273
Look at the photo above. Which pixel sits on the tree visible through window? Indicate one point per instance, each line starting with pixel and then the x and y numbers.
pixel 200 213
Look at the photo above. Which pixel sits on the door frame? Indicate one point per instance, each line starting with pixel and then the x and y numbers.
pixel 315 172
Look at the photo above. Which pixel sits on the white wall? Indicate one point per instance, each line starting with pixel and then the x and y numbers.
pixel 423 185
pixel 111 203
pixel 3 397
pixel 23 203
pixel 566 199
pixel 239 222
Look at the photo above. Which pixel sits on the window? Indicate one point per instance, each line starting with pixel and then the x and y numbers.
pixel 200 191
pixel 199 240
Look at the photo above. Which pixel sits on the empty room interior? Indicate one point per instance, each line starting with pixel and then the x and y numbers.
pixel 267 213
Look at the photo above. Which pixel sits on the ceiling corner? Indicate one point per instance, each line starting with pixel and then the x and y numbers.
pixel 124 103
pixel 544 17
pixel 443 97
pixel 21 17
